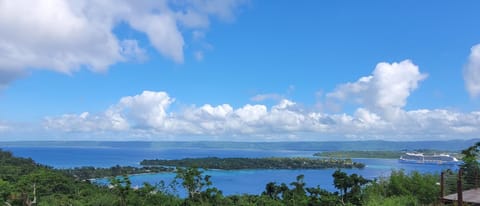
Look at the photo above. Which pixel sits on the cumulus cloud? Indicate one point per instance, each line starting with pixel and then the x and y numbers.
pixel 86 122
pixel 385 91
pixel 471 72
pixel 148 115
pixel 147 109
pixel 67 35
pixel 381 96
pixel 251 113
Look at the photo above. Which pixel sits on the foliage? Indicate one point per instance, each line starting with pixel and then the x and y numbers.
pixel 298 194
pixel 20 177
pixel 471 166
pixel 192 180
pixel 121 186
pixel 422 187
pixel 85 173
pixel 5 189
pixel 198 187
pixel 12 168
pixel 392 201
pixel 349 185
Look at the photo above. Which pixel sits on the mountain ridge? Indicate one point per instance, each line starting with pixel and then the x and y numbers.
pixel 446 145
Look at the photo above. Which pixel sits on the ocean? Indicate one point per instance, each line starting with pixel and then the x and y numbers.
pixel 230 182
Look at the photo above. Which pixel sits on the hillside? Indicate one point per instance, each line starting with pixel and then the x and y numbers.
pixel 376 145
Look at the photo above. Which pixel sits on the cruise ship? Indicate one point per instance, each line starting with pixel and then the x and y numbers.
pixel 419 158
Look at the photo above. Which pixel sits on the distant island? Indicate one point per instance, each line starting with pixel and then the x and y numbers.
pixel 379 154
pixel 256 163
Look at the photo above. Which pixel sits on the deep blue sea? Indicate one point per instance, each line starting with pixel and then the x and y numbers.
pixel 230 182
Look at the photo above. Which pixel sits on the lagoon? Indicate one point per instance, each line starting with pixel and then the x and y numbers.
pixel 230 182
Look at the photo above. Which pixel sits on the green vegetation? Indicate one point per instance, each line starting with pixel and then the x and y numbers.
pixel 256 163
pixel 414 188
pixel 471 166
pixel 24 182
pixel 360 154
pixel 85 173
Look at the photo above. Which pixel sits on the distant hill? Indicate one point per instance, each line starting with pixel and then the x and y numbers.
pixel 377 145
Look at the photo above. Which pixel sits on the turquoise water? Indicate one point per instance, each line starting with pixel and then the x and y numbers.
pixel 254 181
pixel 230 182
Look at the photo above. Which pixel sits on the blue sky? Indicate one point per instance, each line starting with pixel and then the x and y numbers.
pixel 239 70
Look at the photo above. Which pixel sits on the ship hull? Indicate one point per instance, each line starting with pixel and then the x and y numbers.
pixel 430 162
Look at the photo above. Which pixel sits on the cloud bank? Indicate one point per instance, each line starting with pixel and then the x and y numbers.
pixel 471 72
pixel 67 35
pixel 381 97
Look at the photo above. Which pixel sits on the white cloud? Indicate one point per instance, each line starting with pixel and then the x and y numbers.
pixel 147 115
pixel 367 118
pixel 85 122
pixel 251 113
pixel 471 72
pixel 66 35
pixel 131 49
pixel 269 96
pixel 208 112
pixel 223 9
pixel 162 32
pixel 146 110
pixel 273 96
pixel 49 34
pixel 385 91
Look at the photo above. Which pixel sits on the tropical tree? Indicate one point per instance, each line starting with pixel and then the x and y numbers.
pixel 297 195
pixel 471 166
pixel 5 190
pixel 350 186
pixel 341 182
pixel 271 190
pixel 198 185
pixel 192 180
pixel 414 187
pixel 121 186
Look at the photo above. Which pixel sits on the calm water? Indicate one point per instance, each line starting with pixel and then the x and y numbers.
pixel 230 182
pixel 62 157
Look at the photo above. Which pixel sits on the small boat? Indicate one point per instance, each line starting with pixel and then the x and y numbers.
pixel 420 158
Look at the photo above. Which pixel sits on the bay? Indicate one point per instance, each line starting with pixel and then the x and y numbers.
pixel 229 181
pixel 68 157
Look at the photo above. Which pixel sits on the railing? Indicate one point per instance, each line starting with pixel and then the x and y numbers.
pixel 458 182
